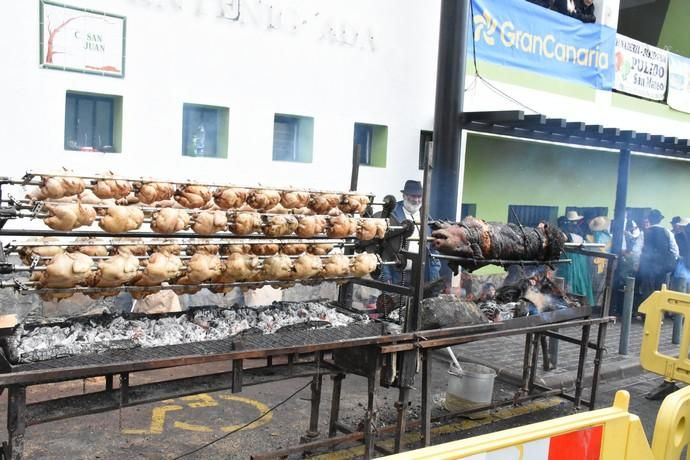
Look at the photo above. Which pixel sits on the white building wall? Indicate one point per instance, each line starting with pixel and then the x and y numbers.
pixel 339 61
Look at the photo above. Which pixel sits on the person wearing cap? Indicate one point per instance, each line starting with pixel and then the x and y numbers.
pixel 409 209
pixel 659 256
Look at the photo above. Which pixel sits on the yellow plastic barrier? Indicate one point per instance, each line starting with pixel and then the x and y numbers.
pixel 604 434
pixel 670 367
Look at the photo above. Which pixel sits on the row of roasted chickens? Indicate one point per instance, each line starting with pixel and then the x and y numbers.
pixel 68 270
pixel 120 219
pixel 195 196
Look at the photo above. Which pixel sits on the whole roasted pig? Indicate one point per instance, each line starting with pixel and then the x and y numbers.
pixel 479 240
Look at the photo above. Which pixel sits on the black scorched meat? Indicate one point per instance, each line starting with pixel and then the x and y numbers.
pixel 479 240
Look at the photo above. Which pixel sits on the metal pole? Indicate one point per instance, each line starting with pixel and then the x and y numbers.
pixel 626 315
pixel 619 214
pixel 678 323
pixel 450 84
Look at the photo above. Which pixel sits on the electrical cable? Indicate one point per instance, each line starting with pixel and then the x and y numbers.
pixel 246 424
pixel 476 68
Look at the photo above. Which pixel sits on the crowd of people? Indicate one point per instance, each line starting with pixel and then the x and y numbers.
pixel 578 9
pixel 652 253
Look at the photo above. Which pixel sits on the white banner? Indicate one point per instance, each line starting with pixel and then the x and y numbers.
pixel 82 40
pixel 678 82
pixel 640 68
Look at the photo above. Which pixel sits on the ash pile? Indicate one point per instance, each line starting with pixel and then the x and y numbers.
pixel 84 335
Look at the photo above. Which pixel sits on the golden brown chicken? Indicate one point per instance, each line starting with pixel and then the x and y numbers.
pixel 245 223
pixel 293 249
pixel 227 249
pixel 67 270
pixel 132 198
pixel 211 249
pixel 239 268
pixel 120 219
pixel 68 216
pixel 265 249
pixel 112 188
pixel 278 209
pixel 321 203
pixel 93 249
pixel 277 268
pixel 340 226
pixel 368 229
pixel 26 253
pixel 307 266
pixel 193 196
pixel 263 199
pixel 230 198
pixel 319 249
pixel 363 264
pixel 150 192
pixel 88 197
pixel 58 187
pixel 116 271
pixel 336 266
pixel 167 247
pixel 160 268
pixel 310 226
pixel 201 268
pixel 303 212
pixel 279 225
pixel 169 220
pixel 354 204
pixel 136 248
pixel 294 200
pixel 209 222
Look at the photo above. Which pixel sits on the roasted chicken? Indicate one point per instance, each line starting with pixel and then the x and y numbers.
pixel 88 197
pixel 363 264
pixel 26 253
pixel 278 209
pixel 112 188
pixel 136 248
pixel 90 250
pixel 202 268
pixel 193 196
pixel 169 220
pixel 151 192
pixel 58 187
pixel 354 204
pixel 279 225
pixel 294 200
pixel 319 249
pixel 210 249
pixel 68 216
pixel 67 270
pixel 277 268
pixel 263 199
pixel 310 226
pixel 245 223
pixel 120 219
pixel 340 226
pixel 168 247
pixel 336 266
pixel 368 229
pixel 265 249
pixel 160 268
pixel 308 266
pixel 293 249
pixel 230 198
pixel 321 203
pixel 116 271
pixel 209 222
pixel 239 267
pixel 227 249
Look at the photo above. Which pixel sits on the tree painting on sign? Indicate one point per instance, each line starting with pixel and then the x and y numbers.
pixel 76 39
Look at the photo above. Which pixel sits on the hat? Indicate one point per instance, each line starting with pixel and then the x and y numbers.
pixel 655 215
pixel 684 221
pixel 412 187
pixel 573 215
pixel 599 224
pixel 675 220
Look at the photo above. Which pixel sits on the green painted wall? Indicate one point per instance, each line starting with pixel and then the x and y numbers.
pixel 675 33
pixel 499 172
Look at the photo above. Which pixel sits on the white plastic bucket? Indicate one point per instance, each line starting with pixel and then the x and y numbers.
pixel 469 387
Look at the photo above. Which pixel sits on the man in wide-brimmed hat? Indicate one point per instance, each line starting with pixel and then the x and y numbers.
pixel 409 209
pixel 659 255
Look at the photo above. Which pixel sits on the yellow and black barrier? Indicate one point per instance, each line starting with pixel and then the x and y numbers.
pixel 605 434
pixel 676 368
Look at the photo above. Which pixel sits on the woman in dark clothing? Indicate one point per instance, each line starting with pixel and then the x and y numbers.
pixel 578 9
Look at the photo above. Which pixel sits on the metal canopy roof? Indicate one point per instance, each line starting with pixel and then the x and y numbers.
pixel 515 123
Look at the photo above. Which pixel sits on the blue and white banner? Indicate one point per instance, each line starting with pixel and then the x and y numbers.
pixel 678 82
pixel 520 34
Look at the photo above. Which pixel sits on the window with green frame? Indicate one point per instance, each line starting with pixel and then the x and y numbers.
pixel 204 131
pixel 92 122
pixel 372 141
pixel 293 138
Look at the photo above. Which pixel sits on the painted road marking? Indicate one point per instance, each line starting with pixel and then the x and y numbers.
pixel 195 402
pixel 413 437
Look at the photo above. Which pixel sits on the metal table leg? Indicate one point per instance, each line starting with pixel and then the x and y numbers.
pixel 581 365
pixel 426 397
pixel 335 404
pixel 16 422
pixel 370 416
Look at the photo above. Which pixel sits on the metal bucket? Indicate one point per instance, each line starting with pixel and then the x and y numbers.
pixel 470 387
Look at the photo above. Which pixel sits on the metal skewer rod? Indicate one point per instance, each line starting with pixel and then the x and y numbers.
pixel 30 175
pixel 147 235
pixel 15 245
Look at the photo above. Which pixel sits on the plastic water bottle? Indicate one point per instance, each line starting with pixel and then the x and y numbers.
pixel 199 140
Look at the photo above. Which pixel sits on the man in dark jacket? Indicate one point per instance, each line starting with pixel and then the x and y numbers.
pixel 408 209
pixel 659 255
